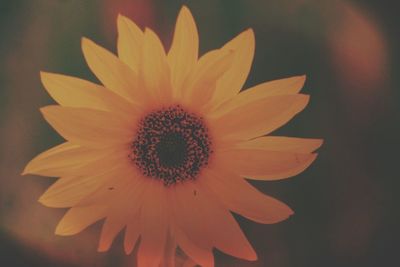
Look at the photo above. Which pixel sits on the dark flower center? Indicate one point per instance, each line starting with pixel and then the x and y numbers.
pixel 171 145
pixel 171 150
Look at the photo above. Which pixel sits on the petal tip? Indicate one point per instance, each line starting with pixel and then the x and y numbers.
pixel 300 80
pixel 85 43
pixel 248 37
pixel 147 30
pixel 122 19
pixel 184 8
pixel 251 255
pixel 290 212
pixel 61 232
pixel 128 249
pixel 303 99
pixel 27 169
pixel 319 143
pixel 46 201
pixel 48 111
pixel 84 40
pixel 186 13
pixel 45 78
pixel 42 200
pixel 148 34
pixel 103 247
pixel 286 212
pixel 45 110
pixel 250 32
pixel 43 74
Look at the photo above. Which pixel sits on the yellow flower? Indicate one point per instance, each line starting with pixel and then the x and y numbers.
pixel 163 147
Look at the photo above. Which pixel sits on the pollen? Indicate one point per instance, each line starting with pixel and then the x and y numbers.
pixel 171 145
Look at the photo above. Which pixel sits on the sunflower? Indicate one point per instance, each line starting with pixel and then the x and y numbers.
pixel 162 148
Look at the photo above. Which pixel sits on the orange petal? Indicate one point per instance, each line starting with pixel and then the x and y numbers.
pixel 259 117
pixel 112 72
pixel 214 225
pixel 199 86
pixel 287 86
pixel 203 257
pixel 168 258
pixel 74 92
pixel 190 263
pixel 263 164
pixel 107 162
pixel 124 205
pixel 68 191
pixel 78 218
pixel 186 208
pixel 111 227
pixel 282 143
pixel 154 68
pixel 57 160
pixel 132 233
pixel 130 41
pixel 182 56
pixel 118 180
pixel 153 225
pixel 93 128
pixel 240 197
pixel 225 231
pixel 233 80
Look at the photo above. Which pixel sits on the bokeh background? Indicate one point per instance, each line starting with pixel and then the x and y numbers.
pixel 346 204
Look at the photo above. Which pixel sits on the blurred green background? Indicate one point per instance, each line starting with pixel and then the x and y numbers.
pixel 346 204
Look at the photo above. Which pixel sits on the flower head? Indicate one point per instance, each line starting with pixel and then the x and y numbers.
pixel 162 148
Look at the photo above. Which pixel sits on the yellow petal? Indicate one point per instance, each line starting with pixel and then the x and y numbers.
pixel 203 257
pixel 182 56
pixel 78 218
pixel 259 117
pixel 111 227
pixel 74 92
pixel 186 208
pixel 108 160
pixel 112 72
pixel 285 86
pixel 282 143
pixel 68 191
pixel 132 233
pixel 224 231
pixel 233 80
pixel 217 227
pixel 79 161
pixel 130 41
pixel 168 259
pixel 40 159
pixel 93 128
pixel 154 68
pixel 153 225
pixel 263 164
pixel 190 263
pixel 118 216
pixel 240 197
pixel 199 86
pixel 57 160
pixel 117 181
